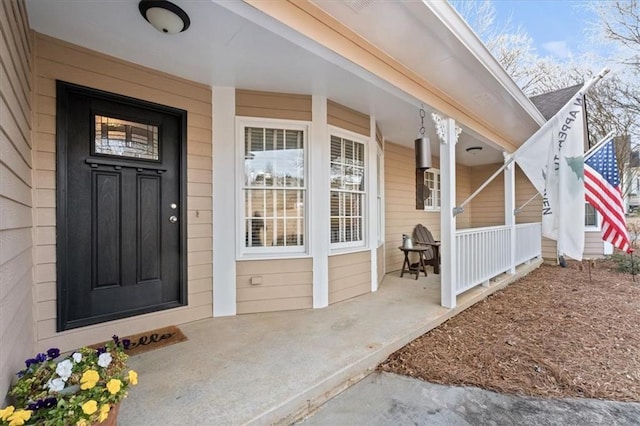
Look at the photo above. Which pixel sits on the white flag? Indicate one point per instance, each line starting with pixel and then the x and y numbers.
pixel 553 161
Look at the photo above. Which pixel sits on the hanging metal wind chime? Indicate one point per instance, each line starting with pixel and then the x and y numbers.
pixel 422 145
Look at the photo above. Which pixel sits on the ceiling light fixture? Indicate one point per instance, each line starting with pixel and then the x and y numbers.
pixel 474 149
pixel 165 16
pixel 422 145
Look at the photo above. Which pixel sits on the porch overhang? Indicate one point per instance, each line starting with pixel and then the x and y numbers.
pixel 326 49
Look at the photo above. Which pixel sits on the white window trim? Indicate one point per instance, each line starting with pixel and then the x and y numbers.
pixel 380 194
pixel 350 247
pixel 598 226
pixel 242 252
pixel 429 208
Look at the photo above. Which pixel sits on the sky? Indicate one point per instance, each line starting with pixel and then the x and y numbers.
pixel 556 26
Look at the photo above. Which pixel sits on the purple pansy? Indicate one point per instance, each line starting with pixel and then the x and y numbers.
pixel 126 343
pixel 101 350
pixel 53 353
pixel 49 402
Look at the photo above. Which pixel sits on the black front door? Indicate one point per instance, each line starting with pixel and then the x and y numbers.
pixel 120 206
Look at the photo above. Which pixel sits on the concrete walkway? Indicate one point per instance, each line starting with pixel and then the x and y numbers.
pixel 277 367
pixel 389 399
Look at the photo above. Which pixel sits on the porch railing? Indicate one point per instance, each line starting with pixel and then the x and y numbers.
pixel 484 253
pixel 528 242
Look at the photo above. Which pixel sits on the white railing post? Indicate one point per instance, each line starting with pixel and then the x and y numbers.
pixel 509 209
pixel 448 134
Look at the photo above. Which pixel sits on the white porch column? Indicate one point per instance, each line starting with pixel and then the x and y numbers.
pixel 372 223
pixel 448 134
pixel 510 207
pixel 224 212
pixel 318 198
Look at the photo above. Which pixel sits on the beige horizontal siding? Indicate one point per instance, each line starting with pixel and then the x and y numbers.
pixel 251 103
pixel 287 284
pixel 349 275
pixel 401 215
pixel 488 205
pixel 348 119
pixel 16 192
pixel 593 245
pixel 55 59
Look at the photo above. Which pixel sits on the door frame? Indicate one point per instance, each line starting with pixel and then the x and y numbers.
pixel 63 90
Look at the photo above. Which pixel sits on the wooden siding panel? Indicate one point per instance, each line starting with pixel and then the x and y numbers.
pixel 11 271
pixel 16 192
pixel 348 119
pixel 13 159
pixel 116 84
pixel 251 103
pixel 593 245
pixel 488 205
pixel 14 242
pixel 348 293
pixel 349 275
pixel 56 59
pixel 286 285
pixel 13 188
pixel 92 62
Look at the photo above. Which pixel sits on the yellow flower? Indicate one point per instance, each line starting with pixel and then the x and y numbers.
pixel 133 377
pixel 114 386
pixel 90 407
pixel 19 417
pixel 104 413
pixel 89 379
pixel 6 412
pixel 82 422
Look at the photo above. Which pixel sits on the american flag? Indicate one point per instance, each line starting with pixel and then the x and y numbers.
pixel 602 191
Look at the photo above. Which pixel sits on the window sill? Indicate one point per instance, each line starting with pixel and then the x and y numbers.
pixel 348 250
pixel 271 256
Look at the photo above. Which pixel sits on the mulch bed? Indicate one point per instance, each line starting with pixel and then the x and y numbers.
pixel 554 333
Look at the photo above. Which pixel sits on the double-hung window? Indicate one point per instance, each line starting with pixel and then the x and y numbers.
pixel 274 188
pixel 348 191
pixel 590 216
pixel 432 183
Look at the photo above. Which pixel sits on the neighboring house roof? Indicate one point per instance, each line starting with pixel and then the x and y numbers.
pixel 551 102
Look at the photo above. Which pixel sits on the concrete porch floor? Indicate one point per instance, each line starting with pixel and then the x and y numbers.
pixel 277 367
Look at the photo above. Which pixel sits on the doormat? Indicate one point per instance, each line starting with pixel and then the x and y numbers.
pixel 150 340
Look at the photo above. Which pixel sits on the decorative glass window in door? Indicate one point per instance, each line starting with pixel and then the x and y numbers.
pixel 124 138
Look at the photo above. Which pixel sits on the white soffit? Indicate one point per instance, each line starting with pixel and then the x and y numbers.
pixel 431 39
pixel 232 44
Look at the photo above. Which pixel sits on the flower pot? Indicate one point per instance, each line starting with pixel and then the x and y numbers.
pixel 112 420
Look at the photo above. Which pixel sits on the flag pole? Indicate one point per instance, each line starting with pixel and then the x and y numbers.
pixel 585 88
pixel 519 209
pixel 594 148
pixel 460 208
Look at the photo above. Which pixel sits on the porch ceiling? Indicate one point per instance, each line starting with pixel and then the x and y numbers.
pixel 231 44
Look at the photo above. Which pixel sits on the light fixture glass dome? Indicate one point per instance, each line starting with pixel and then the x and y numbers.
pixel 165 16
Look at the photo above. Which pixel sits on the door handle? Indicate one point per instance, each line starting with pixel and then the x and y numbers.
pixel 173 219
